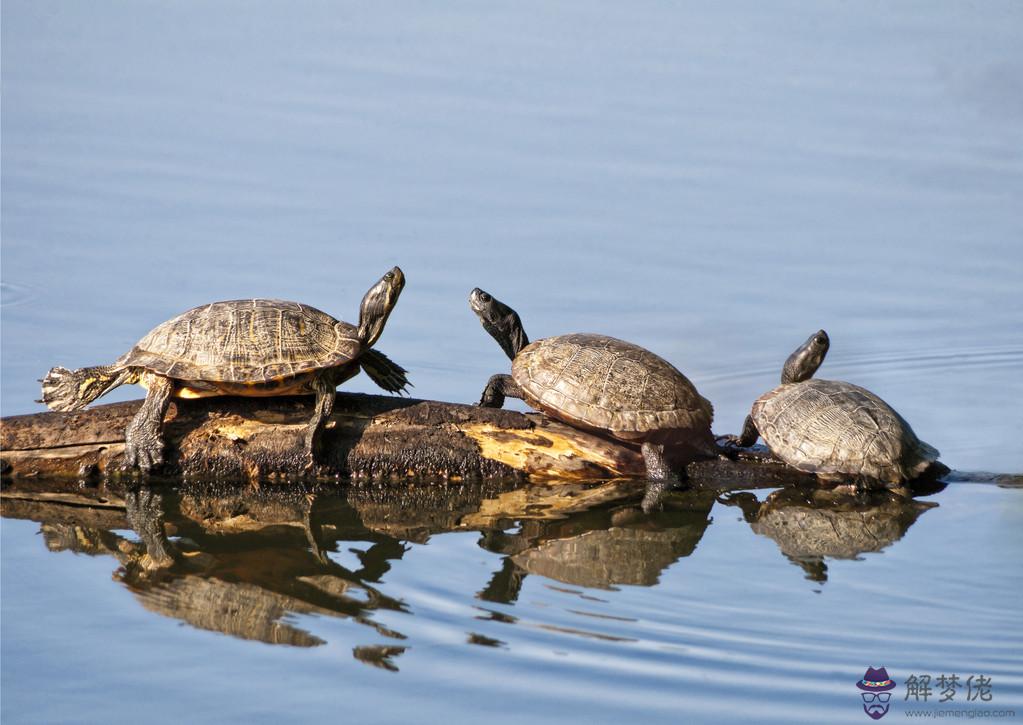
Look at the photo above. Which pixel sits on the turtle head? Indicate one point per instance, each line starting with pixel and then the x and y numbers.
pixel 377 305
pixel 500 320
pixel 803 363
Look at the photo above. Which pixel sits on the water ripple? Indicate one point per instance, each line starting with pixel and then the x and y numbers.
pixel 978 358
pixel 14 295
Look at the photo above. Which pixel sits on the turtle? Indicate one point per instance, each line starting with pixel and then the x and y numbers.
pixel 836 430
pixel 603 385
pixel 254 347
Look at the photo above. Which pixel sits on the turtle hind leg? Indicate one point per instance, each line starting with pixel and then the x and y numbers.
pixel 661 478
pixel 143 439
pixel 383 371
pixel 745 439
pixel 325 390
pixel 65 390
pixel 498 388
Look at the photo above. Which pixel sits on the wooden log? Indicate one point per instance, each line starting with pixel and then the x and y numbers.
pixel 369 437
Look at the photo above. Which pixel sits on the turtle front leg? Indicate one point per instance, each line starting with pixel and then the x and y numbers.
pixel 325 389
pixel 498 388
pixel 143 438
pixel 748 436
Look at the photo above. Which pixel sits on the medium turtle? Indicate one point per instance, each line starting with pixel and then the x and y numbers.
pixel 601 384
pixel 254 347
pixel 836 430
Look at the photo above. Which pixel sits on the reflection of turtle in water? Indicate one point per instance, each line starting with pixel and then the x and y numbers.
pixel 243 564
pixel 606 558
pixel 810 525
pixel 601 384
pixel 252 347
pixel 600 548
pixel 834 429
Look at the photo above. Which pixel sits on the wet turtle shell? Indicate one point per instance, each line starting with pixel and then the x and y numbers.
pixel 839 430
pixel 245 341
pixel 606 384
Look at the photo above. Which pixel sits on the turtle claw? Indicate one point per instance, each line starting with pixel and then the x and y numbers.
pixel 490 401
pixel 729 441
pixel 151 459
pixel 656 490
pixel 143 458
pixel 143 450
pixel 307 457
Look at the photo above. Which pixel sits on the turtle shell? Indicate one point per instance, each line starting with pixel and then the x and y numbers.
pixel 837 430
pixel 606 384
pixel 245 341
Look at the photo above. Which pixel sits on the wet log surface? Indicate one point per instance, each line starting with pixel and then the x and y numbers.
pixel 369 438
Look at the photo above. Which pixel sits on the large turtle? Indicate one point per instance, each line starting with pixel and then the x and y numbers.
pixel 601 384
pixel 836 430
pixel 254 347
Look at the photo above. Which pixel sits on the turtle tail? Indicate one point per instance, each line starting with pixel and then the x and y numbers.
pixel 386 373
pixel 65 390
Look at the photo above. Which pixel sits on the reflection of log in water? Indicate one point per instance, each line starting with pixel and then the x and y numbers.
pixel 368 437
pixel 811 525
pixel 244 562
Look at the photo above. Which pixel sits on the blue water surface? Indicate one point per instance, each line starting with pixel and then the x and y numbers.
pixel 712 181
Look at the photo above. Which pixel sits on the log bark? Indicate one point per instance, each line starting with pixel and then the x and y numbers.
pixel 369 438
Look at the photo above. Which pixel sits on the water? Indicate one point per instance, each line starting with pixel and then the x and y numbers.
pixel 712 182
pixel 703 610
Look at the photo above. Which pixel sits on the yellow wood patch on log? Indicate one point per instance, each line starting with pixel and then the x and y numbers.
pixel 554 452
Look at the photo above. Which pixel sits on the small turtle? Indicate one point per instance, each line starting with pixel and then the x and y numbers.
pixel 251 347
pixel 836 430
pixel 601 384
